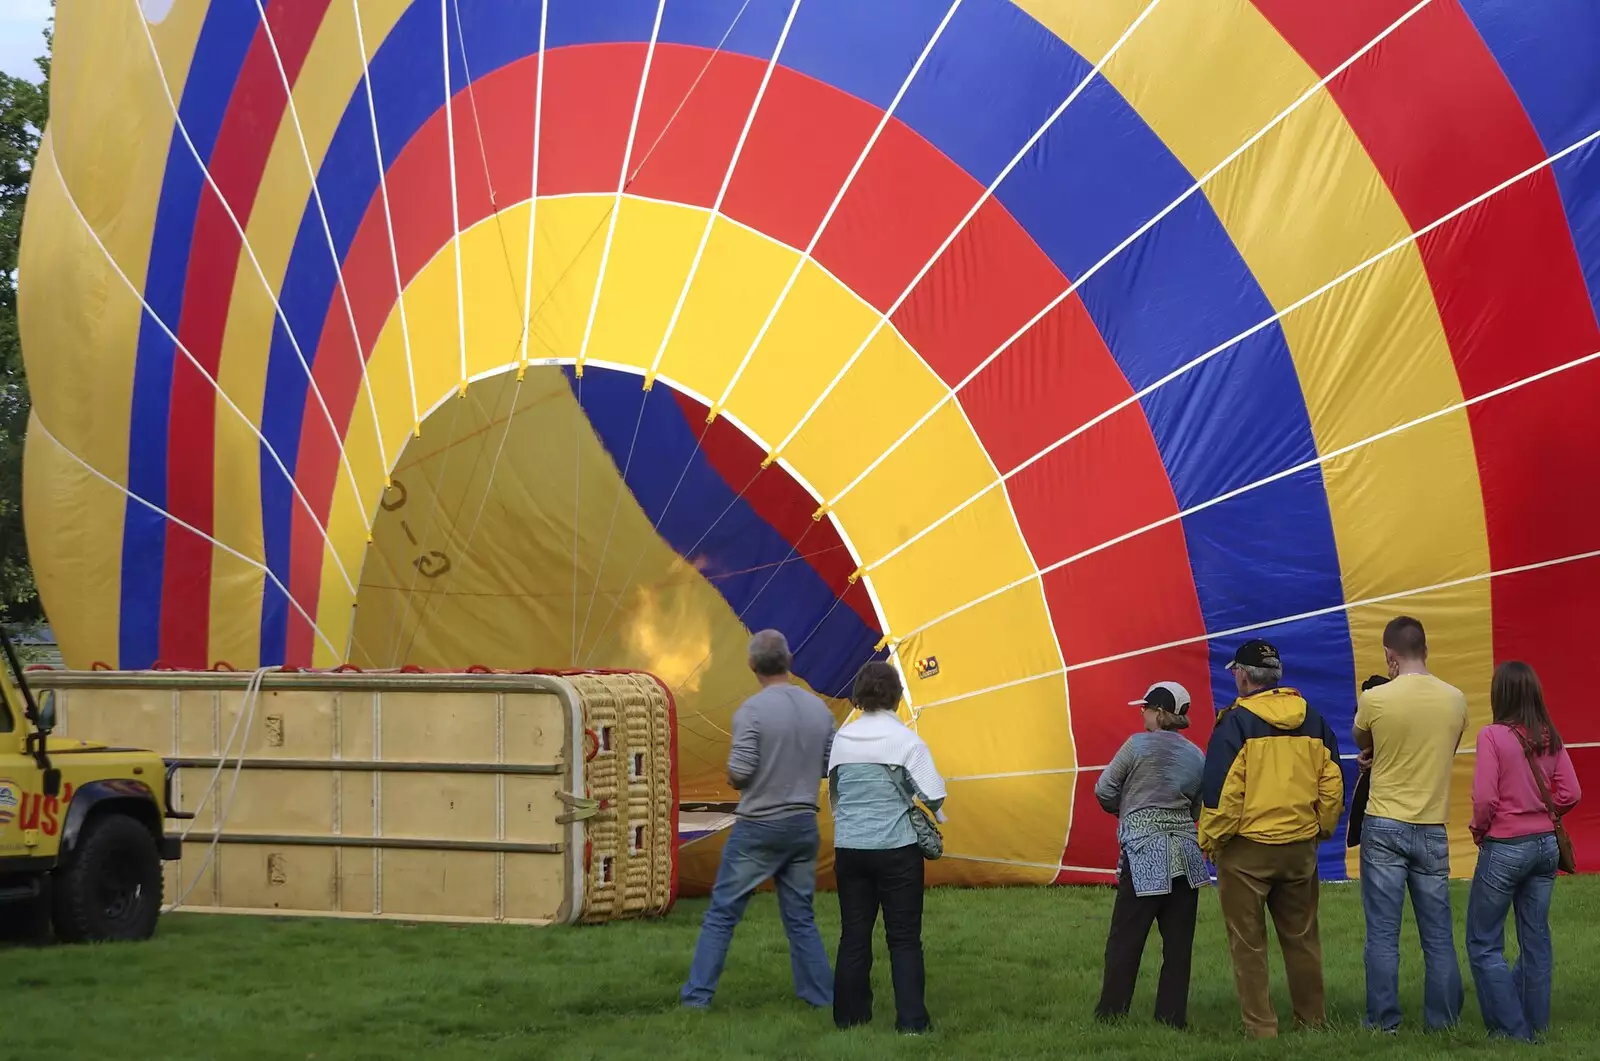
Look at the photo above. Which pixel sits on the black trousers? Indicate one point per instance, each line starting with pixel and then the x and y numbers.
pixel 868 880
pixel 1131 919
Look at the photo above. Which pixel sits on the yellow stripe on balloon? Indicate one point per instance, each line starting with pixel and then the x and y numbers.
pixel 741 273
pixel 110 109
pixel 1370 354
pixel 329 81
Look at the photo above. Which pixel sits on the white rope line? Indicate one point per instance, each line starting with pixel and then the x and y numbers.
pixel 705 68
pixel 1306 465
pixel 1286 620
pixel 1464 749
pixel 816 237
pixel 533 193
pixel 988 193
pixel 333 253
pixel 55 164
pixel 722 193
pixel 158 510
pixel 455 194
pixel 246 715
pixel 1057 866
pixel 1228 344
pixel 577 505
pixel 1119 248
pixel 244 243
pixel 622 184
pixel 388 222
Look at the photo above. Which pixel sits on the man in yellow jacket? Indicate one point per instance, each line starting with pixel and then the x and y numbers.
pixel 1272 790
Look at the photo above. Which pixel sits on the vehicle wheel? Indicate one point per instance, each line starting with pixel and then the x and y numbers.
pixel 27 922
pixel 111 890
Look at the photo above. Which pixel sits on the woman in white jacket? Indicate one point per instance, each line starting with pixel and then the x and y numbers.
pixel 876 858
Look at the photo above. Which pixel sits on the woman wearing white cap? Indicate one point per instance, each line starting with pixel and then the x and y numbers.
pixel 1153 786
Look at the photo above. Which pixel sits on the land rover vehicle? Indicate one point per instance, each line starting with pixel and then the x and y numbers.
pixel 81 826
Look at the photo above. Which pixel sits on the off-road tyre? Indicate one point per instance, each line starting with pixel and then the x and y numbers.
pixel 111 889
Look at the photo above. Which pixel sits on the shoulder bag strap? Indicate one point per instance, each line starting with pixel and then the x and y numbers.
pixel 902 784
pixel 1538 776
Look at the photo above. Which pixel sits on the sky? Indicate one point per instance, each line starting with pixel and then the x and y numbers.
pixel 21 24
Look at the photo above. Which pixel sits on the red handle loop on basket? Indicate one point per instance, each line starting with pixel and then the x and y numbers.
pixel 591 735
pixel 478 668
pixel 222 665
pixel 99 664
pixel 30 668
pixel 347 668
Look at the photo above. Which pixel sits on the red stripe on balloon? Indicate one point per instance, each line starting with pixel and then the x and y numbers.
pixel 1443 126
pixel 244 141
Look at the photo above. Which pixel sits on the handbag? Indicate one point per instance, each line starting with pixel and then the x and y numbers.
pixel 929 839
pixel 1566 861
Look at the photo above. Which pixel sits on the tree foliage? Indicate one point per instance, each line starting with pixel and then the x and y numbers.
pixel 24 106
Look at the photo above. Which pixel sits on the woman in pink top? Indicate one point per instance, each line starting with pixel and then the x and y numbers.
pixel 1517 852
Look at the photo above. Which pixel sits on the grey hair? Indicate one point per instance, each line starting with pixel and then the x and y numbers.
pixel 1263 677
pixel 769 654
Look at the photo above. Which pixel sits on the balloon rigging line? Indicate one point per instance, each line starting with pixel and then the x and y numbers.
pixel 533 193
pixel 55 165
pixel 1057 867
pixel 717 405
pixel 822 226
pixel 483 149
pixel 644 397
pixel 244 243
pixel 722 192
pixel 327 232
pixel 455 195
pixel 196 531
pixel 388 223
pixel 1228 344
pixel 1285 473
pixel 683 102
pixel 886 315
pixel 1287 620
pixel 622 184
pixel 1088 274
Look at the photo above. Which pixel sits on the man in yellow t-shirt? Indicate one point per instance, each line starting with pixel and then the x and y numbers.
pixel 1408 730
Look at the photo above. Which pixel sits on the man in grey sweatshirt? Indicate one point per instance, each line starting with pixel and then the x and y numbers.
pixel 781 740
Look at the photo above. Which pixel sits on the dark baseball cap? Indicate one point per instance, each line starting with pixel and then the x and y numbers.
pixel 1165 696
pixel 1256 653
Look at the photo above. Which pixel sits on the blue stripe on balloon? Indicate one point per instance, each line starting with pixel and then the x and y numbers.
pixel 1547 52
pixel 752 566
pixel 218 57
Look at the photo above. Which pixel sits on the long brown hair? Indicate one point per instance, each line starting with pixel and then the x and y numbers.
pixel 1517 699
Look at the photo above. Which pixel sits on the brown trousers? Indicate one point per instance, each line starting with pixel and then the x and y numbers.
pixel 1251 879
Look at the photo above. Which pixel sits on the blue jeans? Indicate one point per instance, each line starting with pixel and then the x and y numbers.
pixel 785 850
pixel 1396 856
pixel 1517 875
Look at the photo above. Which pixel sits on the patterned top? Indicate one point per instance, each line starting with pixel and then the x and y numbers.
pixel 1160 846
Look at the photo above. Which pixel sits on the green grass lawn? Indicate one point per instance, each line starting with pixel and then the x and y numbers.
pixel 1011 973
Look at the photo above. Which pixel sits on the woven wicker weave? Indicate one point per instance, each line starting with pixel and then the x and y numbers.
pixel 628 861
